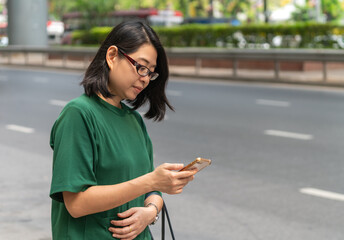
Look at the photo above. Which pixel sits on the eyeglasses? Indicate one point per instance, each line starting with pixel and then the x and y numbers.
pixel 143 71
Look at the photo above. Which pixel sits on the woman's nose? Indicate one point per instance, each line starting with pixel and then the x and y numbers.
pixel 145 80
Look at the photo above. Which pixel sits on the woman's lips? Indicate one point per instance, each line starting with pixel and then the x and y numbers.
pixel 138 89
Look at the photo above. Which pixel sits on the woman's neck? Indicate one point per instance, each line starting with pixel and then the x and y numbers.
pixel 113 101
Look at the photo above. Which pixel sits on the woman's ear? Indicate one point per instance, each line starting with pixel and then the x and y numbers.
pixel 111 56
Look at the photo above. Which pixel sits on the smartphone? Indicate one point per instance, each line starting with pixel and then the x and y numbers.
pixel 198 163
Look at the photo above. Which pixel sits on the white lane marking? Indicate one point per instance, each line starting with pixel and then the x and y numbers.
pixel 322 193
pixel 293 135
pixel 174 93
pixel 272 103
pixel 59 103
pixel 18 128
pixel 40 79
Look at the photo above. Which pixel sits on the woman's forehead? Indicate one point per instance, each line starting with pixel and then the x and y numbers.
pixel 146 53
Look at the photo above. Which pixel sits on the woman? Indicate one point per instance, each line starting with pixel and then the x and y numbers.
pixel 104 185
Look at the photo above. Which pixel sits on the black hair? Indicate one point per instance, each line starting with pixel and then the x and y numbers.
pixel 130 36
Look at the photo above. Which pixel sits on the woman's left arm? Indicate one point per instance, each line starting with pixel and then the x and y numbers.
pixel 136 219
pixel 155 202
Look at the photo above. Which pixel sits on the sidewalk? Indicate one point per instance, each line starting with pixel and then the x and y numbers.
pixel 335 77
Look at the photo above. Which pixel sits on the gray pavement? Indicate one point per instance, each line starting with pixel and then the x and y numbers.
pixel 267 142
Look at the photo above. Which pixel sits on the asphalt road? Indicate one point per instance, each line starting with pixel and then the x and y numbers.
pixel 277 151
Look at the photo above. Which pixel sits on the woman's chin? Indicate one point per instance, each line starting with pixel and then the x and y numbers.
pixel 131 98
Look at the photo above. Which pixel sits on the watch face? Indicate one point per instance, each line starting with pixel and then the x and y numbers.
pixel 155 220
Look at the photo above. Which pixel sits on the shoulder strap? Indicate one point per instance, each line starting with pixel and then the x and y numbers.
pixel 165 212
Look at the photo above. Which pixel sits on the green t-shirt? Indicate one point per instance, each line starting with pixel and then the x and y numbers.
pixel 95 143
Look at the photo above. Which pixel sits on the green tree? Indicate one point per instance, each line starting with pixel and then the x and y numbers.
pixel 57 8
pixel 94 11
pixel 182 5
pixel 332 9
pixel 233 7
pixel 303 13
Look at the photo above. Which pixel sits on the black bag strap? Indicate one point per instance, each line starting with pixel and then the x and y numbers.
pixel 165 212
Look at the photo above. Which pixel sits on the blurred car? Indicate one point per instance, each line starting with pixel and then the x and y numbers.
pixel 55 31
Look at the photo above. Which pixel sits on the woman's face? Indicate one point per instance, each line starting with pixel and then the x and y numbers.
pixel 124 81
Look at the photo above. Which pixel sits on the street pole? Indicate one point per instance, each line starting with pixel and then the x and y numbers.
pixel 266 14
pixel 27 22
pixel 318 10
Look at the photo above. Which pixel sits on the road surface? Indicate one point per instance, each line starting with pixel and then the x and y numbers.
pixel 277 151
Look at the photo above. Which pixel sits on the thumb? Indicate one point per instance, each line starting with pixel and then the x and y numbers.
pixel 173 166
pixel 127 213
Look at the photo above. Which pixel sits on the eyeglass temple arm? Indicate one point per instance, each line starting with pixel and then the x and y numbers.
pixel 129 58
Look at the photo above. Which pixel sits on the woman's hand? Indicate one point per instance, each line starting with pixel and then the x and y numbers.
pixel 135 220
pixel 166 178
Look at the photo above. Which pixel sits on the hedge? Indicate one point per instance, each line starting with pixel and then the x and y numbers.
pixel 298 35
pixel 94 36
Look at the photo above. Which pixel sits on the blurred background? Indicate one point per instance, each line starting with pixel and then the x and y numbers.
pixel 257 87
pixel 235 23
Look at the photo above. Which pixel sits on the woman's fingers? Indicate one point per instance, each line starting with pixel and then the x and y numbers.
pixel 136 220
pixel 186 174
pixel 182 181
pixel 172 166
pixel 127 213
pixel 128 232
pixel 168 179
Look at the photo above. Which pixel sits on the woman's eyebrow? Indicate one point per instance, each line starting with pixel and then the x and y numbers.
pixel 146 61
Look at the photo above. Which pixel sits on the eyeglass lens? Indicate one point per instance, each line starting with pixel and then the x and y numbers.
pixel 143 71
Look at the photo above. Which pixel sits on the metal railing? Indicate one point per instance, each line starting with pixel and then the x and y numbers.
pixel 20 55
pixel 275 55
pixel 68 57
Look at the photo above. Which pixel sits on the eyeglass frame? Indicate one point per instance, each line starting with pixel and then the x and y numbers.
pixel 152 75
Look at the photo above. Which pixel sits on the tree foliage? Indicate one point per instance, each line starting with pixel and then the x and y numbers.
pixel 57 8
pixel 92 9
pixel 201 7
pixel 331 10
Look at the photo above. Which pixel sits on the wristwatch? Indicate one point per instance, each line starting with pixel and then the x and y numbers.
pixel 157 213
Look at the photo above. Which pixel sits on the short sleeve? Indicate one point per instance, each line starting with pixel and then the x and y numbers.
pixel 73 161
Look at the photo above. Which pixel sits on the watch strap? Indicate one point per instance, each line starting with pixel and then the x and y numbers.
pixel 157 212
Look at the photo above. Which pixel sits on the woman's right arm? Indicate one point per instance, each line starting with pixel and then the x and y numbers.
pixel 95 199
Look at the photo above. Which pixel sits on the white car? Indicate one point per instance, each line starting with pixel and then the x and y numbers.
pixel 55 30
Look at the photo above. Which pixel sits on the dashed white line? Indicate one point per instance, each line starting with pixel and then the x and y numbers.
pixel 59 103
pixel 272 103
pixel 174 93
pixel 40 79
pixel 18 128
pixel 322 193
pixel 293 135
